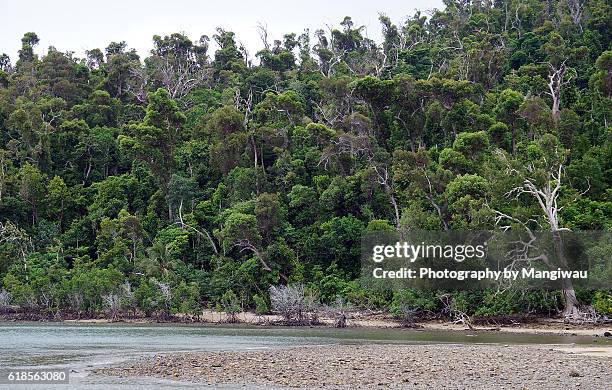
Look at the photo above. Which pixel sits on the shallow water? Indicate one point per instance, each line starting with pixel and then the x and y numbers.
pixel 81 347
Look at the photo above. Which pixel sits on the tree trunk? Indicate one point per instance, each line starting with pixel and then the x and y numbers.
pixel 569 298
pixel 567 287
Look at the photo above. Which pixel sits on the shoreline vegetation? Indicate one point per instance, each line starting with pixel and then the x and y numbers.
pixel 363 319
pixel 382 366
pixel 295 305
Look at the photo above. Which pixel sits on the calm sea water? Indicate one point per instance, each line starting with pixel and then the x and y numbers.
pixel 81 347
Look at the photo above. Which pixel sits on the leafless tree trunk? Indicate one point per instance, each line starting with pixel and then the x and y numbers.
pixel 569 295
pixel 556 81
pixel 382 174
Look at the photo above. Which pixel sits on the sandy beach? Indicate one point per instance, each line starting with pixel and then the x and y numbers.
pixel 364 320
pixel 439 366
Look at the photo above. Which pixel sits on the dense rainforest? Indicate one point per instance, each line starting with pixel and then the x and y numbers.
pixel 197 178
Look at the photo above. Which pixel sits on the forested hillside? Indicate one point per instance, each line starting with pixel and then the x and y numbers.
pixel 203 174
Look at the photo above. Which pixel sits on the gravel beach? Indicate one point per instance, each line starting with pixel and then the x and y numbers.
pixel 439 366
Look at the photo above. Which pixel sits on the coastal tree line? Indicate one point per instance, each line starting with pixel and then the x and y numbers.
pixel 199 178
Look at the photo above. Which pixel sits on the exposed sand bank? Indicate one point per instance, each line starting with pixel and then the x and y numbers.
pixel 437 366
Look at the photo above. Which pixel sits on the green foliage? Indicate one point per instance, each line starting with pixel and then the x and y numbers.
pixel 500 135
pixel 230 305
pixel 190 178
pixel 467 185
pixel 602 303
pixel 186 299
pixel 514 302
pixel 261 305
pixel 412 300
pixel 471 144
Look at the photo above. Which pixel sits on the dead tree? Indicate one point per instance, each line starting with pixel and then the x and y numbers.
pixel 556 82
pixel 293 304
pixel 339 312
pixel 177 69
pixel 546 193
pixel 262 30
pixel 246 105
pixel 383 179
pixel 457 315
pixel 575 9
pixel 180 76
pixel 138 83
